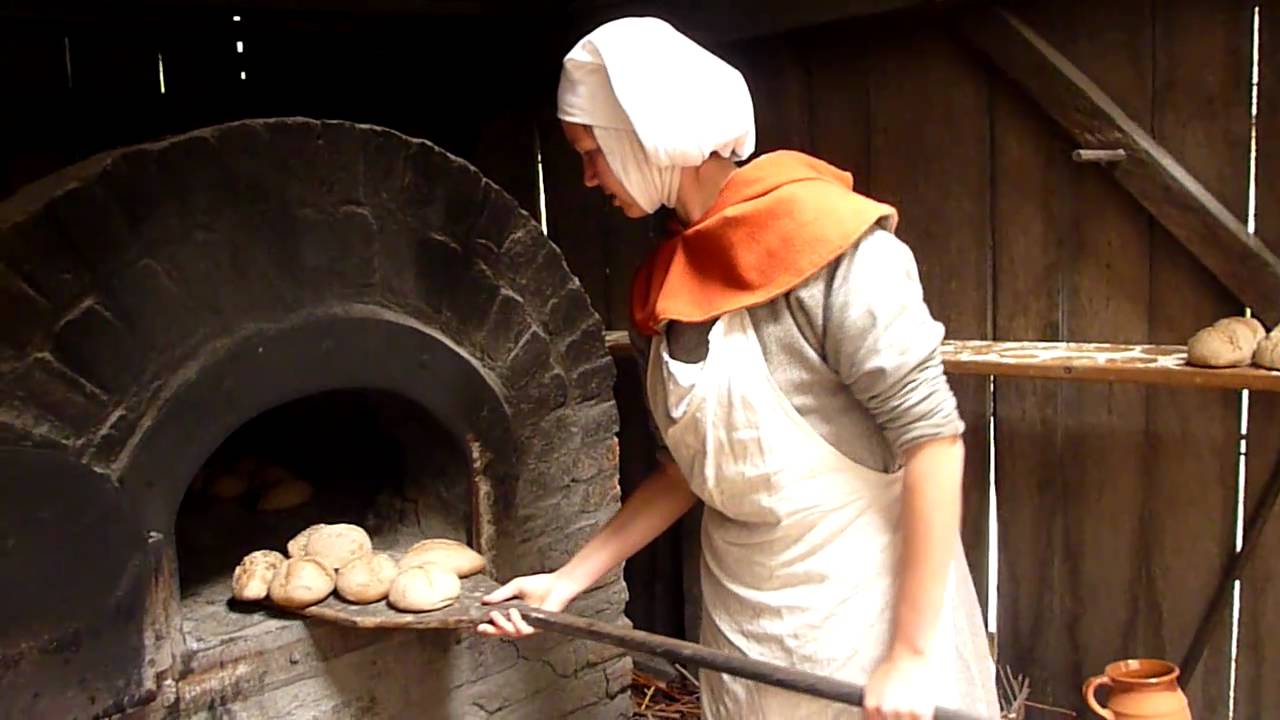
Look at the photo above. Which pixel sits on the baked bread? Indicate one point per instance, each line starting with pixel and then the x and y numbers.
pixel 301 582
pixel 1229 342
pixel 455 556
pixel 1267 353
pixel 252 578
pixel 297 547
pixel 367 579
pixel 337 545
pixel 228 485
pixel 284 490
pixel 424 588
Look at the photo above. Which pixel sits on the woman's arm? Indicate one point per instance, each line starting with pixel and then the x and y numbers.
pixel 880 336
pixel 655 505
pixel 659 500
pixel 930 518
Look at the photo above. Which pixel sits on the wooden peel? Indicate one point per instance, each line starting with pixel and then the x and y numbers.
pixel 468 611
pixel 704 657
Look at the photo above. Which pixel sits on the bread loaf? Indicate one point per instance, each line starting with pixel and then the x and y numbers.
pixel 424 588
pixel 1267 354
pixel 1229 342
pixel 284 490
pixel 252 578
pixel 301 582
pixel 457 557
pixel 367 578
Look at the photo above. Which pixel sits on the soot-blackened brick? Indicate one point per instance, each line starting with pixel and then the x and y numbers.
pixel 336 253
pixel 531 374
pixel 585 347
pixel 570 310
pixel 441 191
pixel 39 254
pixel 473 305
pixel 593 381
pixel 526 263
pixel 55 392
pixel 441 272
pixel 23 315
pixel 496 219
pixel 144 296
pixel 382 167
pixel 532 357
pixel 94 346
pixel 507 324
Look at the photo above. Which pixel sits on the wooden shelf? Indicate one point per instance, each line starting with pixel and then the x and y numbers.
pixel 1098 362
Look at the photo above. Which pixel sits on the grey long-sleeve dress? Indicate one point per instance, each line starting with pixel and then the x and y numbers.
pixel 855 349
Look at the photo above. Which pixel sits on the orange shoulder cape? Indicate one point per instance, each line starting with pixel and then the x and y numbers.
pixel 778 220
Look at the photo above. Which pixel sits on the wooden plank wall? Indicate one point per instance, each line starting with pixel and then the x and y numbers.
pixel 1202 118
pixel 1257 693
pixel 1116 502
pixel 33 73
pixel 1131 489
pixel 929 120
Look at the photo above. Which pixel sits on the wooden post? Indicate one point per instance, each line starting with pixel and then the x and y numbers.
pixel 1097 156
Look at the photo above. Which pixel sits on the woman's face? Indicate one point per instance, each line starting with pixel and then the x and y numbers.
pixel 596 171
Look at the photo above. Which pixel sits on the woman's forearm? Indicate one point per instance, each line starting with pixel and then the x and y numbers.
pixel 656 503
pixel 931 510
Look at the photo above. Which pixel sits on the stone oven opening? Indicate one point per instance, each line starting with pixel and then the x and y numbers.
pixel 368 457
pixel 332 302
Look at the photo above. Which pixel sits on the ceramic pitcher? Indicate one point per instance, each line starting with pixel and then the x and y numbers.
pixel 1140 689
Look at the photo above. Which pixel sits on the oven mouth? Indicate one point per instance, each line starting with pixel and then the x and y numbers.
pixel 367 457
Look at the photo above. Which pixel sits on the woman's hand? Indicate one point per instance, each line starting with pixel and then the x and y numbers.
pixel 548 591
pixel 901 688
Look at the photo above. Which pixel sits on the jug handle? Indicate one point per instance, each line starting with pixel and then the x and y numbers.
pixel 1090 686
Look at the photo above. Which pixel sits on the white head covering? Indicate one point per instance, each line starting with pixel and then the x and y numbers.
pixel 657 102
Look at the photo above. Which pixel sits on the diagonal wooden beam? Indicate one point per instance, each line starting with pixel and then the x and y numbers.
pixel 1213 615
pixel 1239 259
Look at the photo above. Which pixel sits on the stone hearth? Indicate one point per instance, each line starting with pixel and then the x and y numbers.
pixel 158 302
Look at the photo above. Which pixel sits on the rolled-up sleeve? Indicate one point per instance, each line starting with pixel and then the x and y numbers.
pixel 881 338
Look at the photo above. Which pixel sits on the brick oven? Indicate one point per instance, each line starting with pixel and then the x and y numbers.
pixel 333 302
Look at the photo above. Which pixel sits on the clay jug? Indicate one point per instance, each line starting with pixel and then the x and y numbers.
pixel 1140 689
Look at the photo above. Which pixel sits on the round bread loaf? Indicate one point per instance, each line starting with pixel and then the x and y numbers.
pixel 284 490
pixel 337 545
pixel 1229 342
pixel 228 485
pixel 424 588
pixel 297 547
pixel 252 578
pixel 301 582
pixel 368 578
pixel 455 556
pixel 1267 354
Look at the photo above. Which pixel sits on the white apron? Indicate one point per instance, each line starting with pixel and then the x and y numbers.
pixel 799 543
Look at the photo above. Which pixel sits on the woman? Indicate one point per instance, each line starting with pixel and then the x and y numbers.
pixel 793 373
